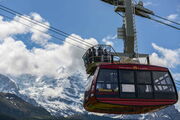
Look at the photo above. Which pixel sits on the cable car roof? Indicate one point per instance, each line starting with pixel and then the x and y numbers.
pixel 132 66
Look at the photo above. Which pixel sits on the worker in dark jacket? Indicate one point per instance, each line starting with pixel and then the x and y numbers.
pixel 90 56
pixel 105 56
pixel 93 54
pixel 100 53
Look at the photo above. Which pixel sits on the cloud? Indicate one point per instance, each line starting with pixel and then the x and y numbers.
pixel 37 36
pixel 13 27
pixel 9 28
pixel 147 3
pixel 16 59
pixel 176 76
pixel 108 40
pixel 165 57
pixel 172 17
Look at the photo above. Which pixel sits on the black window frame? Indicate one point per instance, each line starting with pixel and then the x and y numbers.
pixel 147 95
pixel 163 94
pixel 121 82
pixel 136 96
pixel 107 82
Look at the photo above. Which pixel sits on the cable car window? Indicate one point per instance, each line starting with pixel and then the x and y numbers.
pixel 162 78
pixel 164 88
pixel 128 88
pixel 102 87
pixel 108 76
pixel 88 86
pixel 162 82
pixel 144 88
pixel 107 83
pixel 144 91
pixel 126 76
pixel 143 77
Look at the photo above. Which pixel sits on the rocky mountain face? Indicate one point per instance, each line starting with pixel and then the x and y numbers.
pixel 63 96
pixel 8 85
pixel 13 107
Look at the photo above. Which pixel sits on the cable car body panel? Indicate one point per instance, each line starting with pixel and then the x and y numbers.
pixel 133 101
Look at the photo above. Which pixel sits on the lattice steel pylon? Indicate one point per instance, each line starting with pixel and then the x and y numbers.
pixel 128 30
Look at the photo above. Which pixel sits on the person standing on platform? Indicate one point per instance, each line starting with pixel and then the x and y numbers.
pixel 100 53
pixel 93 54
pixel 105 56
pixel 90 56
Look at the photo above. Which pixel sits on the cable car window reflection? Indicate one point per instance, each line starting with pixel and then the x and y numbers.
pixel 127 85
pixel 144 84
pixel 128 88
pixel 164 88
pixel 145 91
pixel 126 76
pixel 107 81
pixel 144 77
pixel 107 76
pixel 101 87
pixel 144 88
pixel 162 78
pixel 162 82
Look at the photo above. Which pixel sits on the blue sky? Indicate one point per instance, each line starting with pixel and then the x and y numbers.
pixel 95 19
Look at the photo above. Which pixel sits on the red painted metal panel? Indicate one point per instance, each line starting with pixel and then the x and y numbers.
pixel 120 99
pixel 106 93
pixel 140 103
pixel 133 67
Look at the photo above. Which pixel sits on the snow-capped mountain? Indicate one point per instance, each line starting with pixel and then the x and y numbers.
pixel 8 85
pixel 63 95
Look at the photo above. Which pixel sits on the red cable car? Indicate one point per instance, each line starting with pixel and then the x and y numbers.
pixel 123 85
pixel 129 89
pixel 125 88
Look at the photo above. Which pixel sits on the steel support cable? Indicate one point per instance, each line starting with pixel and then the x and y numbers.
pixel 167 19
pixel 115 3
pixel 178 83
pixel 42 32
pixel 41 24
pixel 165 23
pixel 53 29
pixel 177 87
pixel 120 14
